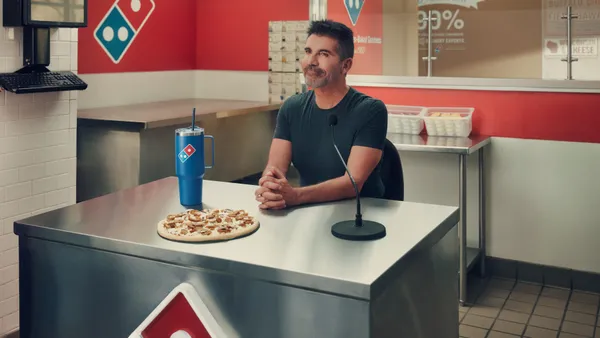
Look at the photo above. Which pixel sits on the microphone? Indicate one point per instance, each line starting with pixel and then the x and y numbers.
pixel 358 229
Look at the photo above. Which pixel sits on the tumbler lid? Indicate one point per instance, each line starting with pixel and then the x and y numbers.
pixel 189 132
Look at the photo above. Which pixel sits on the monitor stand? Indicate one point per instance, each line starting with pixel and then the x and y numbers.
pixel 36 50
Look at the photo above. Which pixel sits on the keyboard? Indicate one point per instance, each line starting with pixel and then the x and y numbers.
pixel 22 83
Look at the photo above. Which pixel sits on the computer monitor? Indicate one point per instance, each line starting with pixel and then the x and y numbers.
pixel 56 13
pixel 45 13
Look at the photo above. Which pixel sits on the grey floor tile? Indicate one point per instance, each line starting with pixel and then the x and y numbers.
pixel 496 334
pixel 537 332
pixel 583 307
pixel 464 309
pixel 576 328
pixel 513 316
pixel 552 302
pixel 569 335
pixel 547 311
pixel 597 334
pixel 517 306
pixel 508 327
pixel 528 288
pixel 478 321
pixel 504 284
pixel 544 322
pixel 523 297
pixel 582 318
pixel 491 301
pixel 585 297
pixel 485 311
pixel 461 315
pixel 496 293
pixel 472 332
pixel 556 293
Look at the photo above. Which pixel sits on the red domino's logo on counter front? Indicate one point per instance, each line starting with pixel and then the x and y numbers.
pixel 182 314
pixel 121 25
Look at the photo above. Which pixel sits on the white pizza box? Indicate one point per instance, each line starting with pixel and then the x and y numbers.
pixel 276 88
pixel 288 46
pixel 276 77
pixel 274 98
pixel 275 66
pixel 275 26
pixel 289 78
pixel 275 37
pixel 289 89
pixel 172 317
pixel 288 56
pixel 290 66
pixel 300 46
pixel 275 55
pixel 289 36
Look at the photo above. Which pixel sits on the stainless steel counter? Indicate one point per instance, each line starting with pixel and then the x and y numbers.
pixel 122 147
pixel 463 147
pixel 171 113
pixel 315 283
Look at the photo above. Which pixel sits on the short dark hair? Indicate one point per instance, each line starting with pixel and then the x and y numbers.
pixel 337 31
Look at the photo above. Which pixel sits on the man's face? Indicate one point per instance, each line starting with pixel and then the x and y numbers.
pixel 321 63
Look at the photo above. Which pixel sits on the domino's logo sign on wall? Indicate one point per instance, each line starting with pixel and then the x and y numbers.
pixel 354 7
pixel 121 25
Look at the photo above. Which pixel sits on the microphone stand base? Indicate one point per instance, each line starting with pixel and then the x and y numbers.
pixel 348 230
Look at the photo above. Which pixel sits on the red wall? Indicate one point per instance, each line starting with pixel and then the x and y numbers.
pixel 530 115
pixel 234 34
pixel 166 41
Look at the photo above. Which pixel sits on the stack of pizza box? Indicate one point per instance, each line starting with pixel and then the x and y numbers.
pixel 286 49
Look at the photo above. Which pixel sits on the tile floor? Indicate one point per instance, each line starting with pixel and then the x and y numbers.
pixel 509 309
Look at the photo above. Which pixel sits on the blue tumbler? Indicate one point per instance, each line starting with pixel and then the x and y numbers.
pixel 189 164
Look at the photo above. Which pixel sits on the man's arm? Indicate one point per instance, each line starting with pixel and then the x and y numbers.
pixel 280 154
pixel 365 154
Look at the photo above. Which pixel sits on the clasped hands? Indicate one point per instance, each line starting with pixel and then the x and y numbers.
pixel 275 192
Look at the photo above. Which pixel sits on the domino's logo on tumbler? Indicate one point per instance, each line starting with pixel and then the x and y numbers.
pixel 121 25
pixel 190 165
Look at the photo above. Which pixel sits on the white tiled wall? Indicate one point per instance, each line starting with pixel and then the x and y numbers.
pixel 37 156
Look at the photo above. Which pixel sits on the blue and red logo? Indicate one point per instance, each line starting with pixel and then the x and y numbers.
pixel 121 25
pixel 186 153
pixel 354 7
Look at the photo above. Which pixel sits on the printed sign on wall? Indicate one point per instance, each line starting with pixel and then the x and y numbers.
pixel 365 18
pixel 138 35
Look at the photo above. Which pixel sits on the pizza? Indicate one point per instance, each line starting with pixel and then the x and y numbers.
pixel 208 225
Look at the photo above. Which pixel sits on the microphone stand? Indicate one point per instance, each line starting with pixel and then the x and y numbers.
pixel 357 229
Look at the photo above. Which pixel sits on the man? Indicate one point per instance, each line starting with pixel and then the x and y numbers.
pixel 303 134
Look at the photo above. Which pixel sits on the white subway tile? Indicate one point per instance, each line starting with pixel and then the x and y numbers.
pixel 59 137
pixel 9 273
pixel 3 93
pixel 74 35
pixel 45 97
pixel 33 126
pixel 8 223
pixel 2 195
pixel 72 195
pixel 74 58
pixel 64 63
pixel 8 177
pixel 8 241
pixel 9 49
pixel 8 113
pixel 32 172
pixel 32 110
pixel 51 183
pixel 2 129
pixel 10 289
pixel 54 34
pixel 9 209
pixel 7 258
pixel 73 112
pixel 3 63
pixel 60 167
pixel 63 95
pixel 30 204
pixel 18 191
pixel 9 144
pixel 60 48
pixel 17 99
pixel 57 108
pixel 31 141
pixel 10 322
pixel 9 305
pixel 64 34
pixel 54 63
pixel 57 197
pixel 14 63
pixel 74 94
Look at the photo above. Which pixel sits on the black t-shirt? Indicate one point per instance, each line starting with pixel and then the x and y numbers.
pixel 362 121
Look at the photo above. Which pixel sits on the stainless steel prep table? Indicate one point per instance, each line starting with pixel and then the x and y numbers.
pixel 98 268
pixel 463 147
pixel 125 146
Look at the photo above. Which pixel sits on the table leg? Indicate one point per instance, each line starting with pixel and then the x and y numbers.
pixel 462 229
pixel 482 215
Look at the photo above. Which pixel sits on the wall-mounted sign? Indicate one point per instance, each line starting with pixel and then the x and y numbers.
pixel 583 47
pixel 365 18
pixel 587 22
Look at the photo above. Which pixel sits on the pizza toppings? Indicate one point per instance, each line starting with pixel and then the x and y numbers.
pixel 204 223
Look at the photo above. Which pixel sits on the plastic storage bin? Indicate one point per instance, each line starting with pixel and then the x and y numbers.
pixel 405 119
pixel 448 121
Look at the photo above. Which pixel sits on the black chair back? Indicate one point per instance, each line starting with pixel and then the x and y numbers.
pixel 391 173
